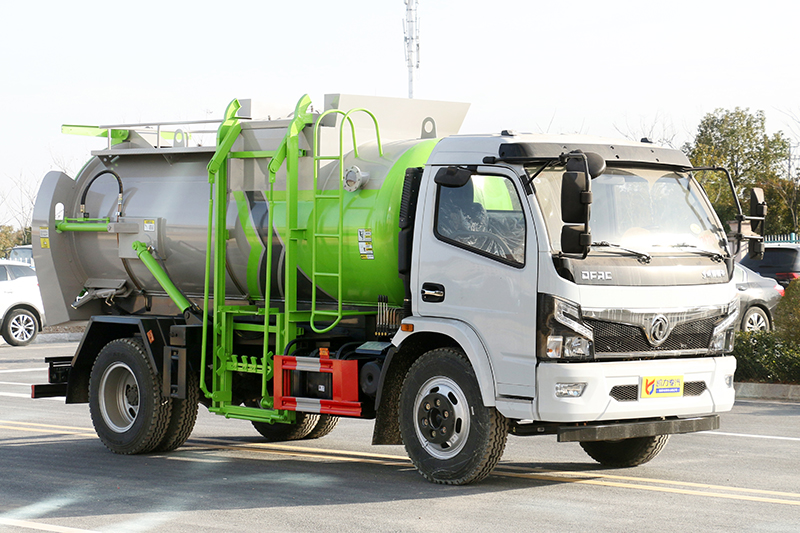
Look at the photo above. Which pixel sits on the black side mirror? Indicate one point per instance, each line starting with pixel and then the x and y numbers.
pixel 576 200
pixel 758 210
pixel 755 249
pixel 452 176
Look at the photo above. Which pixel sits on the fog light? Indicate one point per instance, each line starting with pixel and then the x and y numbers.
pixel 554 344
pixel 729 381
pixel 570 390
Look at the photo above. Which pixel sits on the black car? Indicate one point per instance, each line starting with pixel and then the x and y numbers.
pixel 781 262
pixel 758 298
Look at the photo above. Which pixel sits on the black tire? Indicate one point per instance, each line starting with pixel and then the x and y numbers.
pixel 303 425
pixel 324 426
pixel 20 327
pixel 129 413
pixel 626 452
pixel 182 417
pixel 755 319
pixel 449 435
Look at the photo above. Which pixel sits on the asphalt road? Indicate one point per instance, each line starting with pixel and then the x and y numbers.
pixel 55 475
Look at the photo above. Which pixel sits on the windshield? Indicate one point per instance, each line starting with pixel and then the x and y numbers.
pixel 645 210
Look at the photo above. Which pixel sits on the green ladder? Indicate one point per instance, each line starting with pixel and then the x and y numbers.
pixel 317 233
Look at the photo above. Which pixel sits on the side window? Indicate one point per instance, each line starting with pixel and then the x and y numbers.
pixel 3 274
pixel 21 271
pixel 485 216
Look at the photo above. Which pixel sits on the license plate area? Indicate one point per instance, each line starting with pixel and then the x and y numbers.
pixel 661 387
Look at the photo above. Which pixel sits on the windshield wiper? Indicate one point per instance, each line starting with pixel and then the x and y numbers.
pixel 715 256
pixel 641 256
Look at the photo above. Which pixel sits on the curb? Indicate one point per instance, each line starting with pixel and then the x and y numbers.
pixel 767 391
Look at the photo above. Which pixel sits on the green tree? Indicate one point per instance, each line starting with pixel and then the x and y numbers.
pixel 737 140
pixel 10 237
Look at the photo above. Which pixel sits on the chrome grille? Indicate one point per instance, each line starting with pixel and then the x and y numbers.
pixel 612 337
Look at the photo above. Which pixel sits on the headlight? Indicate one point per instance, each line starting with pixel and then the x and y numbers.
pixel 562 333
pixel 723 335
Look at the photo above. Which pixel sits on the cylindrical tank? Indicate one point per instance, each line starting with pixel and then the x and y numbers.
pixel 170 190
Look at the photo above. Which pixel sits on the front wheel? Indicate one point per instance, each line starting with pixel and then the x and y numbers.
pixel 129 412
pixel 625 453
pixel 20 327
pixel 449 435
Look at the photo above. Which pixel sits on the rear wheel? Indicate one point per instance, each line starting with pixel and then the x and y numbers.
pixel 626 452
pixel 20 327
pixel 182 416
pixel 324 426
pixel 303 425
pixel 129 413
pixel 450 436
pixel 755 319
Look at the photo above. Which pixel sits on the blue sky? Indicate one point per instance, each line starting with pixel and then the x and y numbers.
pixel 601 68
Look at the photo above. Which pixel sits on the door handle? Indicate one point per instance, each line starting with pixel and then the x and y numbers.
pixel 432 292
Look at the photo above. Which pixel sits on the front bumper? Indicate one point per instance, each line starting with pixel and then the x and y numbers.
pixel 600 401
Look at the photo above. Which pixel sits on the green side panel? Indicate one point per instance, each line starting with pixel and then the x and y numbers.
pixel 376 211
pixel 256 246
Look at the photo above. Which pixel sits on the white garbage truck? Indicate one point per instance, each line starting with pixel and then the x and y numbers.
pixel 367 261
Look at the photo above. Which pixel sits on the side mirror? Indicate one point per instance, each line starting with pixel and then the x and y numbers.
pixel 575 239
pixel 576 196
pixel 755 249
pixel 452 176
pixel 758 210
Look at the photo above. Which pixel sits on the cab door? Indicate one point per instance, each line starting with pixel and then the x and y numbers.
pixel 476 263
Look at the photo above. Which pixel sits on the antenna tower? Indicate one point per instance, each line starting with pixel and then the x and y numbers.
pixel 411 31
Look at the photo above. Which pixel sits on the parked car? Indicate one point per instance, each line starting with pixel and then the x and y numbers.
pixel 781 262
pixel 23 254
pixel 758 298
pixel 21 306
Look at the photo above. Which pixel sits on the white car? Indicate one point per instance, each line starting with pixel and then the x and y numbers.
pixel 21 306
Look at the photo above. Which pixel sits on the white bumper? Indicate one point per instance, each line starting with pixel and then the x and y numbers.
pixel 596 402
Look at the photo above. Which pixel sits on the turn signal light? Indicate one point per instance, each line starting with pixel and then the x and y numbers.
pixel 407 327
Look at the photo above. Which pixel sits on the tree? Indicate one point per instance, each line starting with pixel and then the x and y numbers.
pixel 737 140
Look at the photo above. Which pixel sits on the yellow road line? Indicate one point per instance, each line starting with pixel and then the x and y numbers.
pixel 33 424
pixel 649 480
pixel 649 487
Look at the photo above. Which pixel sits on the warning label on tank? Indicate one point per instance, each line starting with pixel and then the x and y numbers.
pixel 149 225
pixel 44 237
pixel 365 243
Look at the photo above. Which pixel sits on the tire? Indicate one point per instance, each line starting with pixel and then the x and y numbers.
pixel 20 327
pixel 183 415
pixel 449 435
pixel 755 319
pixel 324 426
pixel 129 413
pixel 626 452
pixel 304 424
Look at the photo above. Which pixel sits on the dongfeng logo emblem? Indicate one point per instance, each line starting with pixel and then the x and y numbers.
pixel 659 329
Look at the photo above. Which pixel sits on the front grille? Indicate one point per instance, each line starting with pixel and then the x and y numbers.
pixel 625 393
pixel 694 388
pixel 611 337
pixel 630 393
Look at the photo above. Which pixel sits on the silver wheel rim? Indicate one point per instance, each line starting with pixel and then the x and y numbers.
pixel 119 397
pixel 458 409
pixel 755 322
pixel 22 327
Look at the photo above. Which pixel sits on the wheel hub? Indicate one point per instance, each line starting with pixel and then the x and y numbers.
pixel 436 419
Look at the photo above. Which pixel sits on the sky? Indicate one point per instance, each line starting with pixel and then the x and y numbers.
pixel 612 68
